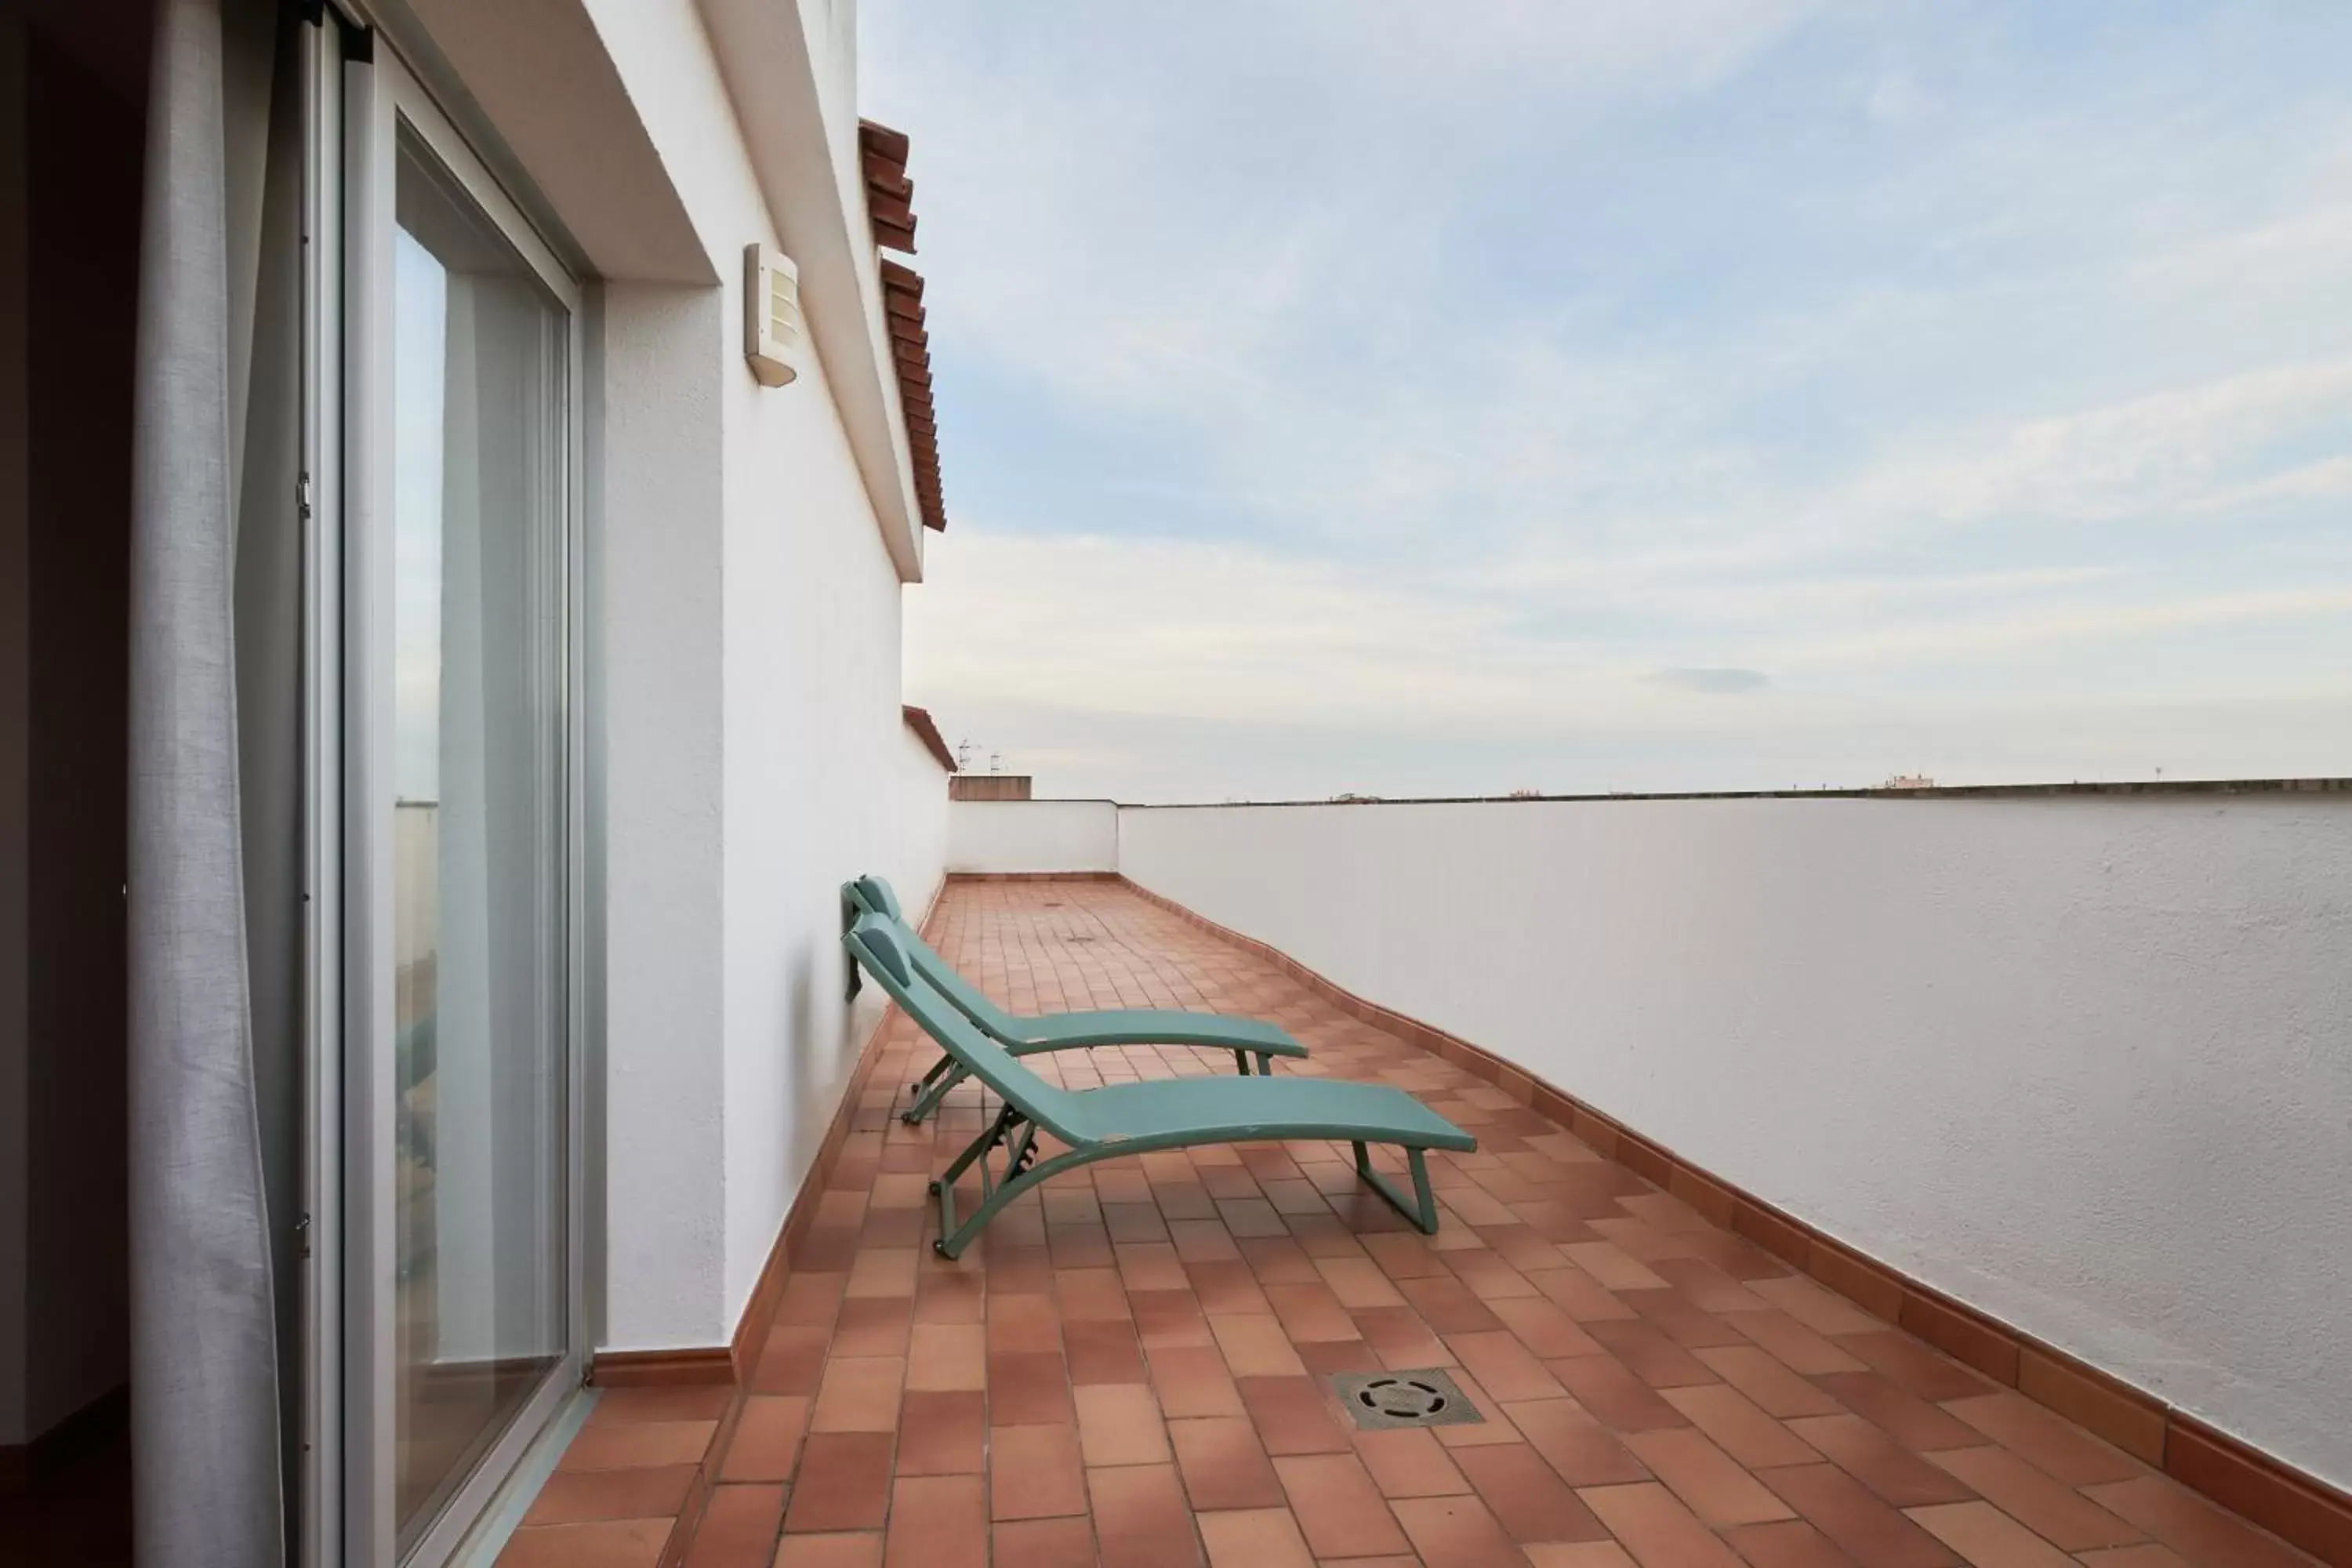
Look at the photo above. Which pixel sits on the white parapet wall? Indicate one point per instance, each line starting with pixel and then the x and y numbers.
pixel 2083 1061
pixel 996 836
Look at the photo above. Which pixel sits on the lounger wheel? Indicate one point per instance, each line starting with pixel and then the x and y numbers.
pixel 939 1245
pixel 935 1189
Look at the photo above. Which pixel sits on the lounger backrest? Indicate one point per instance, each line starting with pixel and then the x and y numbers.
pixel 875 942
pixel 875 896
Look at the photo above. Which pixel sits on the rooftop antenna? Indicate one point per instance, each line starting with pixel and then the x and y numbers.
pixel 996 761
pixel 963 756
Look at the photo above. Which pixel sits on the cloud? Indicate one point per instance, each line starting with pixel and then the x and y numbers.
pixel 1715 682
pixel 1459 369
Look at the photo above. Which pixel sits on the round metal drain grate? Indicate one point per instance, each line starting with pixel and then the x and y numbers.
pixel 1402 1399
pixel 1412 1396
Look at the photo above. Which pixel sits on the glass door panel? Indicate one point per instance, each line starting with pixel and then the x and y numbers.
pixel 480 1201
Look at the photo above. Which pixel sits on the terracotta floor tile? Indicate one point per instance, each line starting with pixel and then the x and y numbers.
pixel 1222 1464
pixel 1028 1388
pixel 1404 1255
pixel 739 1528
pixel 1292 1415
pixel 1324 1357
pixel 1795 1346
pixel 1203 1241
pixel 1260 1538
pixel 854 1551
pixel 810 1299
pixel 767 1441
pixel 2191 1526
pixel 1256 1347
pixel 1407 1461
pixel 1895 1473
pixel 1455 1533
pixel 1739 1427
pixel 1902 1415
pixel 2049 1441
pixel 1103 1351
pixel 1821 1310
pixel 1709 1481
pixel 1119 1424
pixel 1579 1554
pixel 937 1521
pixel 1526 1496
pixel 872 1325
pixel 576 1496
pixel 883 1271
pixel 1580 1449
pixel 1168 1318
pixel 1611 1267
pixel 844 1483
pixel 1614 1397
pixel 1151 1265
pixel 1987 1538
pixel 1448 1305
pixel 2149 1555
pixel 1580 1295
pixel 1657 1529
pixel 1548 1331
pixel 2050 1508
pixel 1490 1278
pixel 1709 1288
pixel 942 1433
pixel 1226 1287
pixel 688 1402
pixel 1776 1391
pixel 1279 1260
pixel 611 1544
pixel 1399 1337
pixel 1338 1508
pixel 1503 1366
pixel 1916 1367
pixel 944 1357
pixel 859 1394
pixel 1310 1311
pixel 1034 1472
pixel 1867 1529
pixel 1042 1544
pixel 1652 1356
pixel 1358 1282
pixel 1193 1381
pixel 1140 1518
pixel 1790 1543
pixel 1090 1293
pixel 638 1445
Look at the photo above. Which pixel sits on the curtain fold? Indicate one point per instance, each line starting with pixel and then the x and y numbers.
pixel 205 1412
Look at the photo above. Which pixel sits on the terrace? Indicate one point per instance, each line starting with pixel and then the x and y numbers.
pixel 1136 1369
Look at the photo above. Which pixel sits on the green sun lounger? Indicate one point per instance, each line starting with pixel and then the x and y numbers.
pixel 1138 1118
pixel 1246 1037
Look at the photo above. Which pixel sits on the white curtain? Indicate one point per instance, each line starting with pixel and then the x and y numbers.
pixel 203 1361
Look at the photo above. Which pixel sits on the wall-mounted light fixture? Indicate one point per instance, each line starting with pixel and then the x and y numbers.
pixel 771 314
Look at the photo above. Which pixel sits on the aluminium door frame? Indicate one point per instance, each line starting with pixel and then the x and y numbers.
pixel 362 94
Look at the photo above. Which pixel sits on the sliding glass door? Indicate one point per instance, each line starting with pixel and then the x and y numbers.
pixel 480 1022
pixel 457 1330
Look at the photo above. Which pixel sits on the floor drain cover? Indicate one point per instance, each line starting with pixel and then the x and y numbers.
pixel 1426 1397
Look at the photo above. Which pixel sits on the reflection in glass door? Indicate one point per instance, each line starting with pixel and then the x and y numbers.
pixel 479 465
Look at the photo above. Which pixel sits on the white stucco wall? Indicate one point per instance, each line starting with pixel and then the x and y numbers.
pixel 1033 835
pixel 750 750
pixel 2082 1061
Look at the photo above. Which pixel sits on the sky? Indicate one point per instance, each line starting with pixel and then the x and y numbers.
pixel 1632 395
